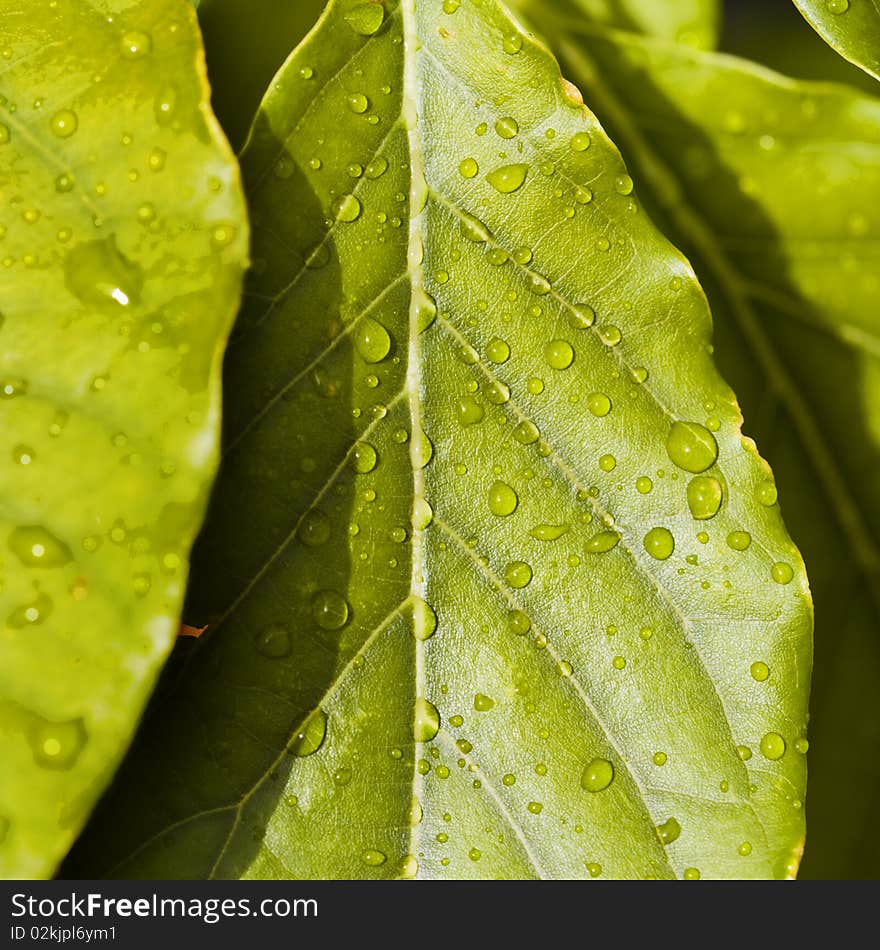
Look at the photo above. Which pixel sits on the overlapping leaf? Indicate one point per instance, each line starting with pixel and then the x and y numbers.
pixel 852 27
pixel 495 586
pixel 122 240
pixel 770 185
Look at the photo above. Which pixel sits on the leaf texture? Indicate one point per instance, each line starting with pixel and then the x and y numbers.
pixel 769 185
pixel 123 246
pixel 852 27
pixel 463 622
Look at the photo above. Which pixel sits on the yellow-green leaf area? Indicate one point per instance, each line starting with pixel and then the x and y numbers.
pixel 537 670
pixel 852 27
pixel 123 242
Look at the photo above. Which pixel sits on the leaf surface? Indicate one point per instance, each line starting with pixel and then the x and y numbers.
pixel 470 396
pixel 769 185
pixel 123 245
pixel 692 22
pixel 852 27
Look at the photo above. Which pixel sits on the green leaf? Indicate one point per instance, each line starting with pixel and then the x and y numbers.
pixel 245 43
pixel 769 185
pixel 693 22
pixel 470 398
pixel 852 27
pixel 123 243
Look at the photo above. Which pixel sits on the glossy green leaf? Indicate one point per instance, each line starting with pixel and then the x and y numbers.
pixel 852 27
pixel 692 22
pixel 461 612
pixel 245 43
pixel 770 185
pixel 123 244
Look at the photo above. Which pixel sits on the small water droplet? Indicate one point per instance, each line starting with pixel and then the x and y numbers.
pixel 602 542
pixel 781 572
pixel 760 671
pixel 98 274
pixel 364 458
pixel 597 775
pixel 548 532
pixel 518 623
pixel 598 404
pixel 315 528
pixel 745 849
pixel 371 856
pixel 739 540
pixel 468 168
pixel 35 546
pixel 623 185
pixel 837 6
pixel 498 350
pixel 660 758
pixel 57 745
pixel 64 123
pixel 580 141
pixel 526 432
pixel 772 746
pixel 468 411
pixel 767 494
pixel 512 43
pixel 346 208
pixel 135 44
pixel 483 703
pixel 507 127
pixel 559 354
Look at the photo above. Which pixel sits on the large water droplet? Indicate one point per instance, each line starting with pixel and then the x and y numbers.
pixel 691 446
pixel 598 404
pixel 781 572
pixel 36 547
pixel 597 775
pixel 704 496
pixel 364 458
pixel 346 208
pixel 502 499
pixel 739 540
pixel 602 542
pixel 426 722
pixel 424 619
pixel 772 746
pixel 372 340
pixel 98 274
pixel 329 610
pixel 659 543
pixel 507 178
pixel 366 18
pixel 559 354
pixel 310 736
pixel 518 574
pixel 669 830
pixel 473 228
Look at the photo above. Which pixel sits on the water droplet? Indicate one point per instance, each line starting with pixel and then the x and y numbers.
pixel 509 779
pixel 64 123
pixel 483 703
pixel 739 540
pixel 450 6
pixel 507 127
pixel 659 543
pixel 512 43
pixel 607 463
pixel 421 451
pixel 623 185
pixel 597 775
pixel 744 752
pixel 372 340
pixel 423 513
pixel 691 874
pixel 580 141
pixel 468 411
pixel 519 623
pixel 781 572
pixel 37 547
pixel 273 642
pixel 57 745
pixel 660 758
pixel 535 807
pixel 35 612
pixel 342 776
pixel 425 309
pixel 136 44
pixel 370 856
pixel 364 458
pixel 772 746
pixel 548 532
pixel 475 854
pixel 518 574
pixel 498 351
pixel 598 404
pixel 644 484
pixel 602 542
pixel 593 868
pixel 507 178
pixel 346 208
pixel 745 849
pixel 691 446
pixel 315 529
pixel 669 830
pixel 468 168
pixel 4 134
pixel 365 18
pixel 610 335
pixel 767 493
pixel 502 499
pixel 310 736
pixel 426 722
pixel 760 671
pixel 424 619
pixel 801 745
pixel 837 6
pixel 526 432
pixel 329 610
pixel 99 275
pixel 559 354
pixel 704 496
pixel 473 228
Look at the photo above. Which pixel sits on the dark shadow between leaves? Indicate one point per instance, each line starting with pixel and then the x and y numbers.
pixel 232 707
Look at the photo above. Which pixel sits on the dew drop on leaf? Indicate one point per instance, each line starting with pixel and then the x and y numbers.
pixel 597 775
pixel 57 745
pixel 760 671
pixel 669 830
pixel 518 574
pixel 483 703
pixel 704 496
pixel 602 542
pixel 136 44
pixel 691 447
pixel 372 340
pixel 580 141
pixel 559 354
pixel 781 572
pixel 273 642
pixel 659 543
pixel 311 735
pixel 739 540
pixel 364 458
pixel 64 123
pixel 373 858
pixel 426 720
pixel 468 411
pixel 424 619
pixel 508 178
pixel 468 168
pixel 36 546
pixel 599 404
pixel 329 610
pixel 772 746
pixel 366 18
